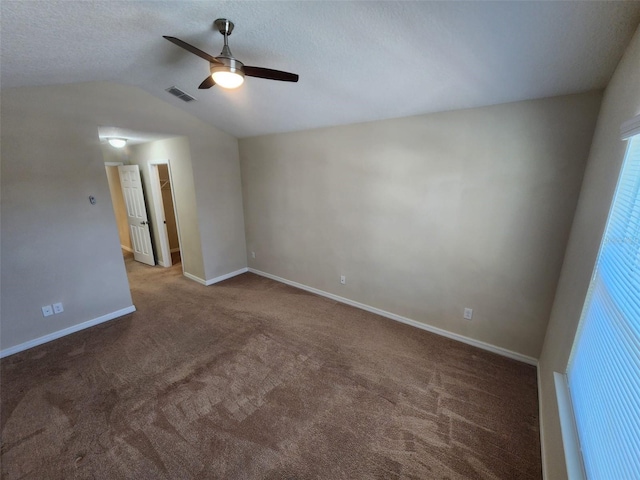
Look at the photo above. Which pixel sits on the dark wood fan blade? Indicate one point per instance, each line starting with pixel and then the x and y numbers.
pixel 207 83
pixel 270 74
pixel 192 49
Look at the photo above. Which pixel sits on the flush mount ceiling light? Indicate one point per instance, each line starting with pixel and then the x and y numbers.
pixel 225 70
pixel 117 142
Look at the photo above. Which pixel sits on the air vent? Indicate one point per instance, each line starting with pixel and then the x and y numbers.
pixel 180 94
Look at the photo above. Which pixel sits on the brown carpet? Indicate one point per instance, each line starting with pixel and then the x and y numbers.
pixel 253 379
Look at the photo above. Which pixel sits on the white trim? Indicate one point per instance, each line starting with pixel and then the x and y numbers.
pixel 398 318
pixel 126 249
pixel 113 164
pixel 211 281
pixel 630 128
pixel 66 331
pixel 194 278
pixel 174 199
pixel 570 442
pixel 158 207
pixel 543 455
pixel 226 276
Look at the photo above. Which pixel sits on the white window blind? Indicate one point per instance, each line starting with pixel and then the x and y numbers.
pixel 604 368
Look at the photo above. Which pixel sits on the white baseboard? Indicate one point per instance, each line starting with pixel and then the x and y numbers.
pixel 126 249
pixel 211 281
pixel 226 276
pixel 66 331
pixel 194 278
pixel 398 318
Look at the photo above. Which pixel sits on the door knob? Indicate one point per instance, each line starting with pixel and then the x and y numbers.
pixel 144 223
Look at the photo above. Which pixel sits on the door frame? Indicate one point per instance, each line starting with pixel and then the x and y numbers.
pixel 158 206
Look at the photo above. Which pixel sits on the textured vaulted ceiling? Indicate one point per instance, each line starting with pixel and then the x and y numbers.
pixel 357 61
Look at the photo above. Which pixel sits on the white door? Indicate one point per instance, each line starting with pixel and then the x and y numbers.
pixel 136 214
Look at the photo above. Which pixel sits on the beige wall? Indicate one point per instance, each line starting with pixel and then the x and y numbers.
pixel 219 194
pixel 620 103
pixel 427 215
pixel 177 152
pixel 56 246
pixel 119 208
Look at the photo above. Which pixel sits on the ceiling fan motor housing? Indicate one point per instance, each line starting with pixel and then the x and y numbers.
pixel 227 64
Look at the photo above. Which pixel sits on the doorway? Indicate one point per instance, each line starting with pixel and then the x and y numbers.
pixel 165 212
pixel 166 245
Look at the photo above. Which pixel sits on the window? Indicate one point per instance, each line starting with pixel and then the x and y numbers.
pixel 604 369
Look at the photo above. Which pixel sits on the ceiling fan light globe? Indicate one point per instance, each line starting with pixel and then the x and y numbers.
pixel 227 79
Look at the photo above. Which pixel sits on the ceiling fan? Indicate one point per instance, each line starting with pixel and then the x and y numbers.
pixel 226 71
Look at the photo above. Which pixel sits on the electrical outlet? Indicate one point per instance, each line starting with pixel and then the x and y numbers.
pixel 343 280
pixel 468 313
pixel 47 311
pixel 253 254
pixel 57 308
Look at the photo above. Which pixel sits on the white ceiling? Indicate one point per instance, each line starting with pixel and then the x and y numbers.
pixel 357 61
